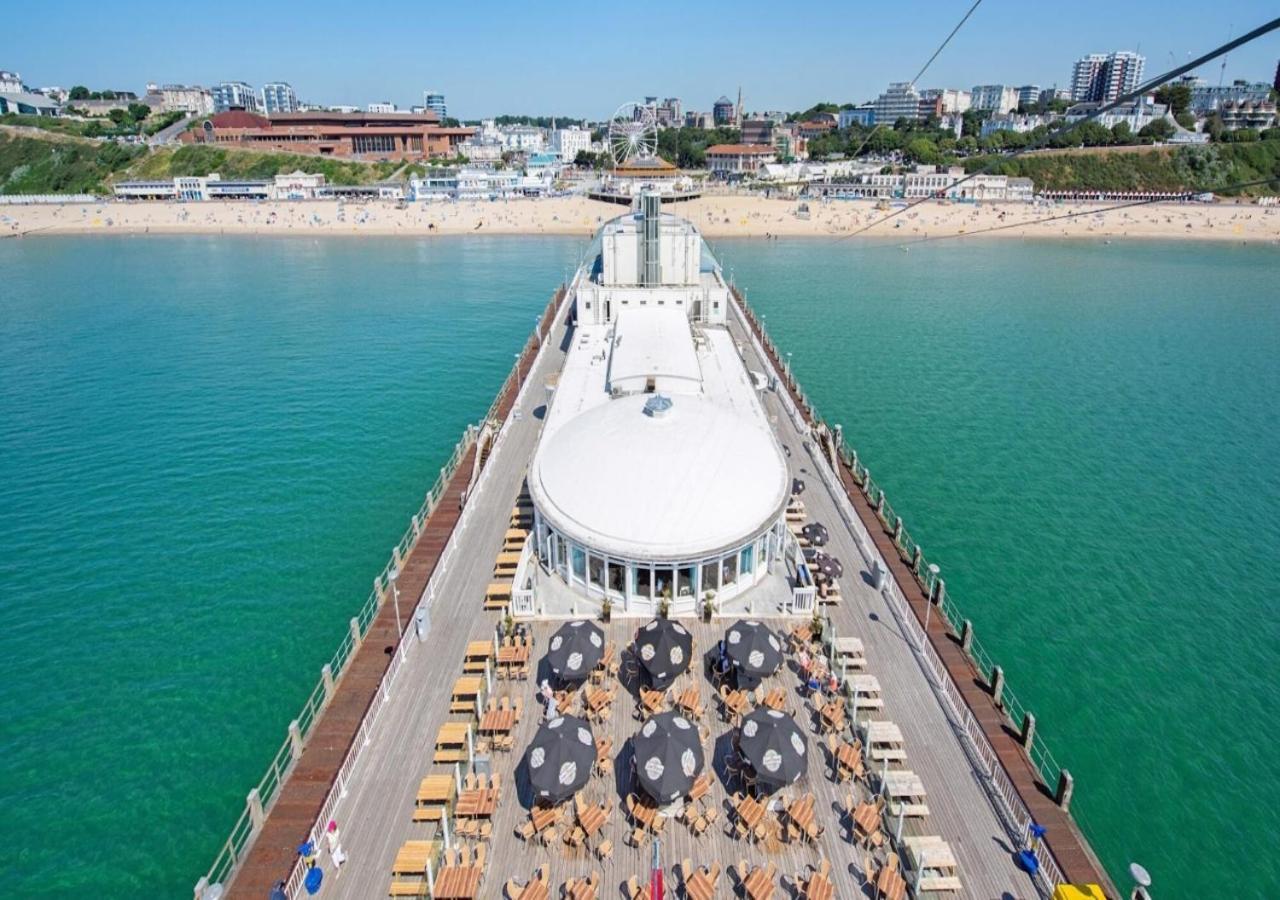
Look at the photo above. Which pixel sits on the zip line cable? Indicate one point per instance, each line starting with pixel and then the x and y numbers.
pixel 924 68
pixel 1142 89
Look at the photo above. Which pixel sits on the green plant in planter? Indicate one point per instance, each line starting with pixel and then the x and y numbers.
pixel 606 609
pixel 816 626
pixel 508 625
pixel 708 605
pixel 664 605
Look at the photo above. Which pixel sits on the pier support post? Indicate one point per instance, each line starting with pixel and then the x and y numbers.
pixel 377 590
pixel 326 676
pixel 395 555
pixel 939 591
pixel 1028 729
pixel 417 526
pixel 897 528
pixel 966 636
pixel 355 633
pixel 839 436
pixel 997 684
pixel 879 503
pixel 256 816
pixel 1066 786
pixel 295 740
pixel 916 557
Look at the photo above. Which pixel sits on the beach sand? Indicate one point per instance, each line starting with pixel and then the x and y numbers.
pixel 725 215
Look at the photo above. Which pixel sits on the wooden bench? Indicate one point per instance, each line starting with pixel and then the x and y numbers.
pixel 409 889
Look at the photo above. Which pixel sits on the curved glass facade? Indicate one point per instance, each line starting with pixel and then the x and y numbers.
pixel 639 587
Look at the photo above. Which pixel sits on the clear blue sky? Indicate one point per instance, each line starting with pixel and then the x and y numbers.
pixel 584 59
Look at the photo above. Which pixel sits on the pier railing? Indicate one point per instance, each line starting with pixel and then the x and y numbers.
pixel 1007 800
pixel 263 795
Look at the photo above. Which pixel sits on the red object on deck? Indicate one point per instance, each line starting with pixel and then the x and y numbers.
pixel 655 880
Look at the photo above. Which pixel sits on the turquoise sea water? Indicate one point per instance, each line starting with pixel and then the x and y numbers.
pixel 208 446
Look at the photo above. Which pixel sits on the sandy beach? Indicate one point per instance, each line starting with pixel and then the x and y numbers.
pixel 717 215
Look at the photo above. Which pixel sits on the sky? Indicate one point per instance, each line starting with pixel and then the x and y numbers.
pixel 578 59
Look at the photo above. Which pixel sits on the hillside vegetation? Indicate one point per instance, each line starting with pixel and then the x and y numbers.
pixel 35 166
pixel 201 159
pixel 1203 168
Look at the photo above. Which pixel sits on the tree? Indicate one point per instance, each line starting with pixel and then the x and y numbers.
pixel 1121 133
pixel 1176 96
pixel 923 150
pixel 1214 126
pixel 139 111
pixel 1160 129
pixel 108 95
pixel 1186 120
pixel 119 116
pixel 1242 136
pixel 79 92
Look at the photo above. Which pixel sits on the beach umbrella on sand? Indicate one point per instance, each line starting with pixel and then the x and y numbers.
pixel 560 758
pixel 664 648
pixel 668 754
pixel 774 746
pixel 755 650
pixel 816 533
pixel 575 649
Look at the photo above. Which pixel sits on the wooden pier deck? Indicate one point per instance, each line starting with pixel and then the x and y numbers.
pixel 376 817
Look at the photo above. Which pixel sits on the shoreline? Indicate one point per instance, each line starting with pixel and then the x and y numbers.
pixel 716 216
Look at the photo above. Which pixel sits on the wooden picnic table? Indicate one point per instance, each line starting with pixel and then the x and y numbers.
pixel 507 559
pixel 451 742
pixel 477 655
pixel 698 886
pixel 478 803
pixel 581 890
pixel 906 793
pixel 930 857
pixel 866 817
pixel 849 651
pixel 758 885
pixel 884 740
pixel 467 687
pixel 435 790
pixel 604 746
pixel 457 883
pixel 498 721
pixel 848 759
pixel 833 715
pixel 864 689
pixel 597 699
pixel 498 589
pixel 411 858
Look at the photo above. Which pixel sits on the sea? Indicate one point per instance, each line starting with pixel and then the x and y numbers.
pixel 208 446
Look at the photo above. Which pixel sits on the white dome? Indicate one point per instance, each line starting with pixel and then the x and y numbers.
pixel 695 481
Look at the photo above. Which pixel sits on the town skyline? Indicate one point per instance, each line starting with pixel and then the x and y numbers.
pixel 567 67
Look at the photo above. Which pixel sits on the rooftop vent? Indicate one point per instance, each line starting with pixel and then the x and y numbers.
pixel 657 406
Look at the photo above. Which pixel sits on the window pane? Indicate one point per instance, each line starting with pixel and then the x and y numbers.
pixel 579 561
pixel 710 577
pixel 748 557
pixel 663 582
pixel 641 583
pixel 729 570
pixel 617 577
pixel 685 584
pixel 596 570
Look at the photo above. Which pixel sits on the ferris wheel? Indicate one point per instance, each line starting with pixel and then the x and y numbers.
pixel 633 133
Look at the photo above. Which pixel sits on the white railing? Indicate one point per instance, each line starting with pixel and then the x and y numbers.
pixel 245 829
pixel 1005 798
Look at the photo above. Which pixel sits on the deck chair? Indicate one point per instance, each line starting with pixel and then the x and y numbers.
pixel 512 889
pixel 525 831
pixel 604 850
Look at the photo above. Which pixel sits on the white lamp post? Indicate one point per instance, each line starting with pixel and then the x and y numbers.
pixel 928 601
pixel 394 577
pixel 1141 881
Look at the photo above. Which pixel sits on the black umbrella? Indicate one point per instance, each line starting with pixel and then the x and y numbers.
pixel 797 486
pixel 575 650
pixel 668 754
pixel 664 648
pixel 827 565
pixel 560 758
pixel 774 746
pixel 815 533
pixel 755 650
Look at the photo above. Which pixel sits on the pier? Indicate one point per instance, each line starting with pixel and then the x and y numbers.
pixel 373 744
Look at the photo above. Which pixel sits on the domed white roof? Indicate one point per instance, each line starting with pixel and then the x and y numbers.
pixel 693 480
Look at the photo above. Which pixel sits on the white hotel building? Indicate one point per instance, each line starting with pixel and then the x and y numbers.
pixel 657 475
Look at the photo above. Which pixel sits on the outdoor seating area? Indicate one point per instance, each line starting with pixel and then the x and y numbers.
pixel 577 792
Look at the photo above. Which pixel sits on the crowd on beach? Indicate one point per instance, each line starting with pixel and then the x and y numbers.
pixel 740 215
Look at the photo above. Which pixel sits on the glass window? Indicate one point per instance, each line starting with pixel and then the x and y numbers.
pixel 642 583
pixel 748 559
pixel 595 568
pixel 684 585
pixel 710 576
pixel 729 570
pixel 617 577
pixel 559 551
pixel 663 581
pixel 579 562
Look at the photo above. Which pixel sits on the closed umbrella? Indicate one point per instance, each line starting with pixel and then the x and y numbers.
pixel 755 650
pixel 575 649
pixel 668 754
pixel 774 746
pixel 560 758
pixel 664 648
